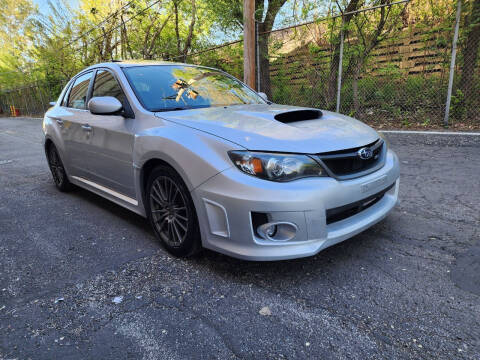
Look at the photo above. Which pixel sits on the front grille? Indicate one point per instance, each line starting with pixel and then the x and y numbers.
pixel 347 163
pixel 345 211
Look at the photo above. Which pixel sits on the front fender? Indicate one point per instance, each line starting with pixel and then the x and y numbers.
pixel 195 155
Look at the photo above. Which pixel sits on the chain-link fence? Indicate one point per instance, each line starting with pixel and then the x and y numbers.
pixel 388 66
pixel 380 65
pixel 30 100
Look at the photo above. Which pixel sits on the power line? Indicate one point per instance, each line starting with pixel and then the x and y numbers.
pixel 296 25
pixel 124 7
pixel 337 16
pixel 123 22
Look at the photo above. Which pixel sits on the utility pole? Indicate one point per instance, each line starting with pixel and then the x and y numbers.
pixel 249 43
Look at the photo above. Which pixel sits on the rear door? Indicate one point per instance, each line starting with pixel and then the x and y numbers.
pixel 72 119
pixel 111 144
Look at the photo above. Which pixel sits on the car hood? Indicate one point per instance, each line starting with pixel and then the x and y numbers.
pixel 255 128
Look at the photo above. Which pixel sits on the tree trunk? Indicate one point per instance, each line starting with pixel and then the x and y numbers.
pixel 333 74
pixel 125 35
pixel 264 29
pixel 470 52
pixel 177 33
pixel 264 67
pixel 191 27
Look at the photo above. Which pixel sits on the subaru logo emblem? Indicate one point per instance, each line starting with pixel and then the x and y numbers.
pixel 365 153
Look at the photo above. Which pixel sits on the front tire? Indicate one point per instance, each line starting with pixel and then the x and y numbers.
pixel 59 174
pixel 171 212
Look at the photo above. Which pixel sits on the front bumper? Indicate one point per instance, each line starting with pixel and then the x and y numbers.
pixel 225 202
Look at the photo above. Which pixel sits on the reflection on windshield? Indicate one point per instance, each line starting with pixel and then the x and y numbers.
pixel 182 86
pixel 172 87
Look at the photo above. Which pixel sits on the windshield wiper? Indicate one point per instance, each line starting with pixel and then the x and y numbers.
pixel 170 97
pixel 181 108
pixel 172 109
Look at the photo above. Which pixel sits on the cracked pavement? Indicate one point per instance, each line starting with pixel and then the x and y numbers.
pixel 407 288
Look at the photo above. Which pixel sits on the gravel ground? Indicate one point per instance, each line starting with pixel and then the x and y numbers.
pixel 407 288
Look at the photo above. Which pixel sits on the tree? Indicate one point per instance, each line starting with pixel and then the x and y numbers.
pixel 14 39
pixel 229 16
pixel 331 89
pixel 264 28
pixel 68 40
pixel 369 29
pixel 183 50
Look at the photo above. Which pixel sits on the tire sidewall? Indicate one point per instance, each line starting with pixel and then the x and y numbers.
pixel 64 185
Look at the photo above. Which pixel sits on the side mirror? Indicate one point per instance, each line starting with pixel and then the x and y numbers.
pixel 263 96
pixel 104 105
pixel 52 103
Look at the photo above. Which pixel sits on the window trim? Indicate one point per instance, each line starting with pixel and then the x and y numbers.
pixel 65 92
pixel 88 90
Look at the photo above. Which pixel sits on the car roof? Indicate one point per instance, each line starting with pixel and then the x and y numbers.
pixel 130 63
pixel 118 64
pixel 133 63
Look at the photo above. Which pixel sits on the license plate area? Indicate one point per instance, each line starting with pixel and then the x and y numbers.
pixel 377 183
pixel 346 211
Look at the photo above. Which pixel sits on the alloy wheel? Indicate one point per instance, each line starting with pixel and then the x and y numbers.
pixel 56 166
pixel 169 211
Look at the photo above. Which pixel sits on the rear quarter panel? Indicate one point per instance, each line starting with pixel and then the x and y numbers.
pixel 54 133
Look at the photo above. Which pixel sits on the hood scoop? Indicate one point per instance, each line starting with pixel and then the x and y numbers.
pixel 298 115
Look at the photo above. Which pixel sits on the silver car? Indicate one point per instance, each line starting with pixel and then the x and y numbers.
pixel 213 164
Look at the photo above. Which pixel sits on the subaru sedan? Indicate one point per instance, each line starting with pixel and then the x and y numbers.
pixel 213 164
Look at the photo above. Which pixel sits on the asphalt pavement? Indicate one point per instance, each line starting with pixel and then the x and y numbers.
pixel 82 278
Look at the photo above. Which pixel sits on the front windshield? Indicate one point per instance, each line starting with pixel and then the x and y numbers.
pixel 175 87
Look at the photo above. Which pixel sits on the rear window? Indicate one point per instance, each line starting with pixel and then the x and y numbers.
pixel 78 94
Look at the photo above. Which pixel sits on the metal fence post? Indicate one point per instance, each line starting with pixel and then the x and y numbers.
pixel 452 63
pixel 24 95
pixel 43 104
pixel 340 67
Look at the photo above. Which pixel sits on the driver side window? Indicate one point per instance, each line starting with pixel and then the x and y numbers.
pixel 106 85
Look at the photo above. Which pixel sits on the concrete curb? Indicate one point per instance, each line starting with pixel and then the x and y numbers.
pixel 430 132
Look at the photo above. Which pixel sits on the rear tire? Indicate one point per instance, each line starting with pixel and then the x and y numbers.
pixel 59 174
pixel 171 212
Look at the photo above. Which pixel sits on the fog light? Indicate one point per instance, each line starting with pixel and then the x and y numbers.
pixel 278 231
pixel 271 230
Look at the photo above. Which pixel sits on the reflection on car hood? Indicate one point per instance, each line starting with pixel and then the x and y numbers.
pixel 254 128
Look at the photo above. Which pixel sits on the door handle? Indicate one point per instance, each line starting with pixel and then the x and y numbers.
pixel 58 120
pixel 86 127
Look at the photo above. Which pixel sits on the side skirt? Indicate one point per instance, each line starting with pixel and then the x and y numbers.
pixel 109 194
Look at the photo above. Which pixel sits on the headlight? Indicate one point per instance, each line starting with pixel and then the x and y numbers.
pixel 276 167
pixel 384 138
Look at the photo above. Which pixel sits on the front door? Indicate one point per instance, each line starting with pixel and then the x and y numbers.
pixel 111 143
